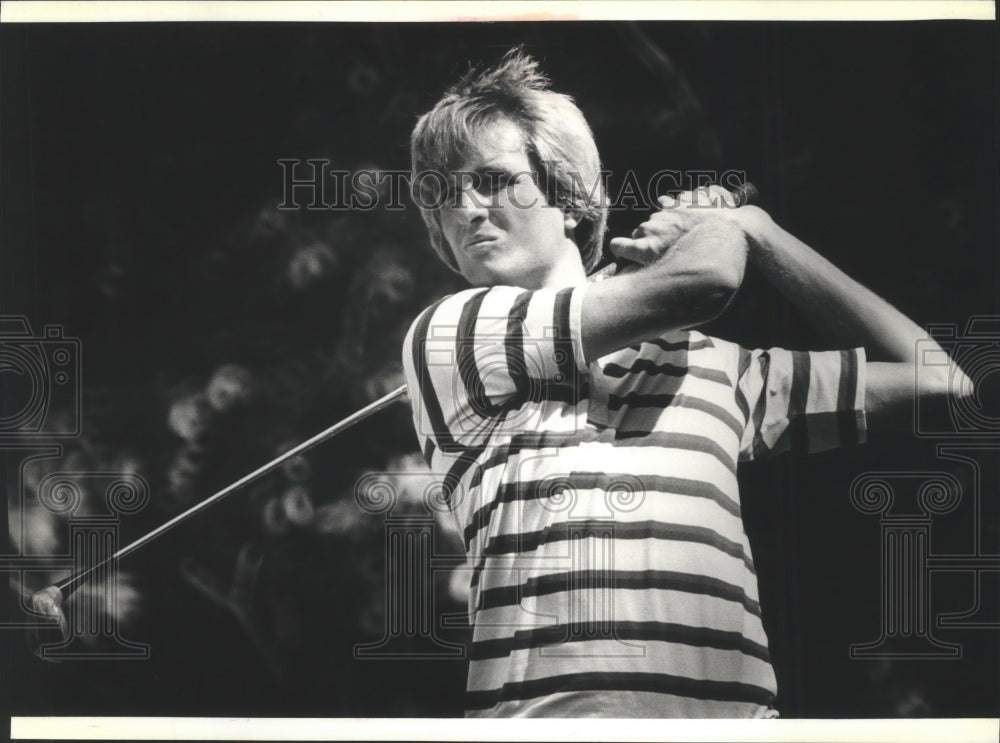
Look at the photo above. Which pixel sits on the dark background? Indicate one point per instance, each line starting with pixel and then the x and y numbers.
pixel 139 192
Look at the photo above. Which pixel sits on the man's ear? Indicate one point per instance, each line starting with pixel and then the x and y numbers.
pixel 571 218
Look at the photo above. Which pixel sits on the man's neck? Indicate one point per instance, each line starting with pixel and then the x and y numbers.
pixel 567 272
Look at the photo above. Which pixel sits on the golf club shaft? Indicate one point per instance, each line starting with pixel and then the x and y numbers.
pixel 70 584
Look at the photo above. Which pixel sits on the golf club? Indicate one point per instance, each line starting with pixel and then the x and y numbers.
pixel 48 601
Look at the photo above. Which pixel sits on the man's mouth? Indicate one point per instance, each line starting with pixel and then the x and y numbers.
pixel 480 242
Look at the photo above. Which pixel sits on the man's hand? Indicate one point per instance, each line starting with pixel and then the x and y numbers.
pixel 689 280
pixel 678 215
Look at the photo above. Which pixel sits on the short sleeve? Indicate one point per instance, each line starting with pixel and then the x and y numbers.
pixel 475 355
pixel 800 401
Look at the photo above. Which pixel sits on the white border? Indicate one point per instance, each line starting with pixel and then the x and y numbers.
pixel 278 729
pixel 117 11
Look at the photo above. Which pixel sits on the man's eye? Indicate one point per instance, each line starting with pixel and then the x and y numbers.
pixel 495 182
pixel 500 181
pixel 487 183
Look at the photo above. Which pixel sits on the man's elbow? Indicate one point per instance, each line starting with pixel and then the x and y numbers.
pixel 964 386
pixel 892 389
pixel 945 381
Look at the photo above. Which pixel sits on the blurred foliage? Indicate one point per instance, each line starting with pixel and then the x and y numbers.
pixel 219 330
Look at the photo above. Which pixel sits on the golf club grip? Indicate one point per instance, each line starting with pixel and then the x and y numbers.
pixel 745 193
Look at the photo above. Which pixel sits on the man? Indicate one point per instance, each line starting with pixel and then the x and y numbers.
pixel 589 438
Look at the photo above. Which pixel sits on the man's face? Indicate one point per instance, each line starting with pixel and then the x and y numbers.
pixel 497 220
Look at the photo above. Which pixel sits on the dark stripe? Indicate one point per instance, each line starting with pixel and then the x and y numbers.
pixel 764 361
pixel 428 396
pixel 543 390
pixel 466 459
pixel 515 344
pixel 651 368
pixel 685 345
pixel 563 342
pixel 724 691
pixel 673 440
pixel 639 400
pixel 798 427
pixel 702 637
pixel 741 400
pixel 465 353
pixel 616 580
pixel 429 451
pixel 457 471
pixel 533 489
pixel 528 541
pixel 828 421
pixel 533 441
pixel 847 425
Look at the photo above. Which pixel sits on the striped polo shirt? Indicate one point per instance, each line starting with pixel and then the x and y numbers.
pixel 610 574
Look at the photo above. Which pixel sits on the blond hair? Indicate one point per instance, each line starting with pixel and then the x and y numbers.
pixel 558 140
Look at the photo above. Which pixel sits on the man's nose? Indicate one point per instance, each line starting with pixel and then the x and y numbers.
pixel 472 204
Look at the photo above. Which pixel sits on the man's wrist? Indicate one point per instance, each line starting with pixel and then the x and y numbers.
pixel 755 222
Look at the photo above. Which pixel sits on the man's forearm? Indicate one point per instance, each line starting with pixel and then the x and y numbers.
pixel 685 287
pixel 852 315
pixel 849 313
pixel 834 302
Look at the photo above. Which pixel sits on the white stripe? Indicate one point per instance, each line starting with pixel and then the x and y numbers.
pixel 822 397
pixel 666 461
pixel 439 355
pixel 752 386
pixel 490 332
pixel 824 381
pixel 859 398
pixel 777 396
pixel 540 330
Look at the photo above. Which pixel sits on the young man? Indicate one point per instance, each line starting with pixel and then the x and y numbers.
pixel 589 438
